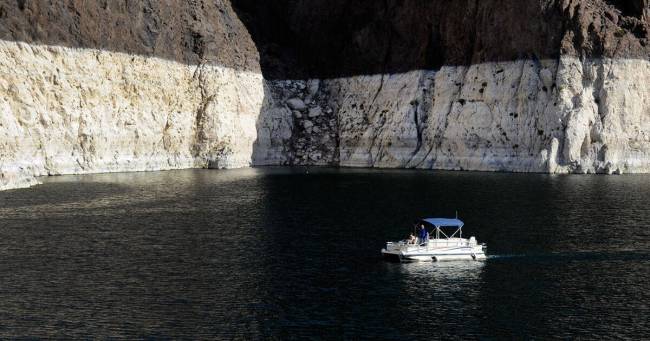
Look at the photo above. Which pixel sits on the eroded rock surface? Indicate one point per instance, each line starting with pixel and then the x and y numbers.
pixel 71 111
pixel 551 86
pixel 555 116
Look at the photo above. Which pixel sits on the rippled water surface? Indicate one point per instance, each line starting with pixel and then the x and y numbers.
pixel 291 254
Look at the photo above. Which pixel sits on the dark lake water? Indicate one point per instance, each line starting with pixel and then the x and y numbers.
pixel 286 254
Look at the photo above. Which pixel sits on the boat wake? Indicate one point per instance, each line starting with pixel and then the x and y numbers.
pixel 574 256
pixel 505 256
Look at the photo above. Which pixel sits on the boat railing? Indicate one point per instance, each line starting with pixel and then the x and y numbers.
pixel 441 242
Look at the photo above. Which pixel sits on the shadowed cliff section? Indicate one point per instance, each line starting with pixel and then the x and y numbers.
pixel 336 38
pixel 299 39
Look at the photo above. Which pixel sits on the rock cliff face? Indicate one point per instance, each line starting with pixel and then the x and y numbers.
pixel 72 111
pixel 105 86
pixel 518 85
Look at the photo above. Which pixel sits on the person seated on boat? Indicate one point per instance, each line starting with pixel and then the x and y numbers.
pixel 412 239
pixel 423 234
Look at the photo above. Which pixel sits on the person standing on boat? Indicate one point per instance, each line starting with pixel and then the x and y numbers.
pixel 423 234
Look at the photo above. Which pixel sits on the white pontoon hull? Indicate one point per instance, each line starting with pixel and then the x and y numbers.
pixel 461 249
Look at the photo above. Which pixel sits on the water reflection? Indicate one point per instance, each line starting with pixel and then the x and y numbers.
pixel 449 272
pixel 435 298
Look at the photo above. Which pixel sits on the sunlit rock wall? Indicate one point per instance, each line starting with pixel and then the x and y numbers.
pixel 555 116
pixel 526 116
pixel 73 111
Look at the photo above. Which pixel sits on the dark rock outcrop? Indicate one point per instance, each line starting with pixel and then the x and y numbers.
pixel 191 31
pixel 333 38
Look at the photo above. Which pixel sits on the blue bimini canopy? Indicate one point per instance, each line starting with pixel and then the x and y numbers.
pixel 443 222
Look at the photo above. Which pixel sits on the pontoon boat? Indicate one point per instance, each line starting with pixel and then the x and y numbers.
pixel 436 245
